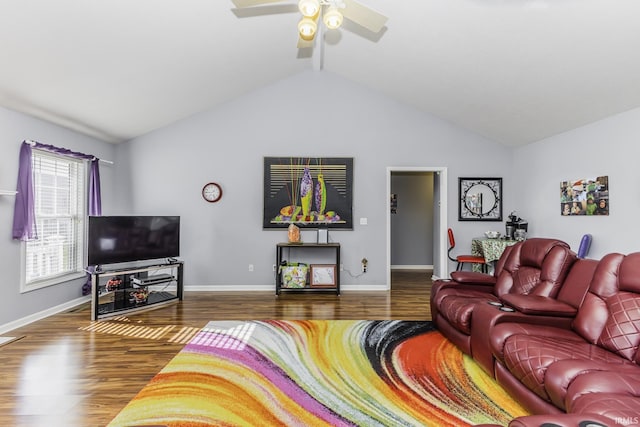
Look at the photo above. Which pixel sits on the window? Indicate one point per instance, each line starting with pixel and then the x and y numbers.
pixel 59 194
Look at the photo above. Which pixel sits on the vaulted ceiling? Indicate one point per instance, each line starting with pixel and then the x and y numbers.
pixel 514 71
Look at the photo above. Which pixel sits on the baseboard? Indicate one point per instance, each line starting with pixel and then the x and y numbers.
pixel 271 288
pixel 43 314
pixel 412 267
pixel 230 288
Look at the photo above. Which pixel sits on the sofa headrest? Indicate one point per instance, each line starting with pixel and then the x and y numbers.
pixel 534 251
pixel 535 266
pixel 576 284
pixel 629 275
pixel 605 278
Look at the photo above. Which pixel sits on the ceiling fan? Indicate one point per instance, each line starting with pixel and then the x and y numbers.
pixel 330 12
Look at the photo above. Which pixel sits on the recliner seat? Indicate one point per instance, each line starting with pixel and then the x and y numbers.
pixel 552 369
pixel 535 266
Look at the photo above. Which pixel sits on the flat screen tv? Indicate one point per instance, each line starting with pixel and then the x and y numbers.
pixel 118 239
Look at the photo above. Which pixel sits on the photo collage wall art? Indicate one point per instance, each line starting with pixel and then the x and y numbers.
pixel 588 196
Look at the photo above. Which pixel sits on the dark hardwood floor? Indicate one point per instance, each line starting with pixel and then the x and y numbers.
pixel 68 371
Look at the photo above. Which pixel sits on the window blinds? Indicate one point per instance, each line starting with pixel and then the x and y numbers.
pixel 59 195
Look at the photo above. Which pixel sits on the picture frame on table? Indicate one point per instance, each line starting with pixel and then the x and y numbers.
pixel 480 199
pixel 322 275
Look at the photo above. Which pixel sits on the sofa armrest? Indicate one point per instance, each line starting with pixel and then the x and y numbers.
pixel 473 277
pixel 539 305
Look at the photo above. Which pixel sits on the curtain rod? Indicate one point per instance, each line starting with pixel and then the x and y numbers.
pixel 33 143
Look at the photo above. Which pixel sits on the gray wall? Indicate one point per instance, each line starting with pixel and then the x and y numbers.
pixel 412 226
pixel 14 128
pixel 608 147
pixel 310 114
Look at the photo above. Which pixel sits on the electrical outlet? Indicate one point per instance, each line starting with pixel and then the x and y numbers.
pixel 250 267
pixel 364 265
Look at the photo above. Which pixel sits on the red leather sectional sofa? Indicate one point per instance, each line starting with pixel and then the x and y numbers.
pixel 564 337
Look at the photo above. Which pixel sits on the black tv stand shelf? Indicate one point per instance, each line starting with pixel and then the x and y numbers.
pixel 122 291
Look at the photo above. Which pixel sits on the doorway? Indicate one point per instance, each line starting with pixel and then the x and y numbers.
pixel 439 216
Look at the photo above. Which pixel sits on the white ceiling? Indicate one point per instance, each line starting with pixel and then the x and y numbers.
pixel 515 71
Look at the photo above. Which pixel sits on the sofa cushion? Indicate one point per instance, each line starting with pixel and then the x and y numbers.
pixel 530 352
pixel 621 332
pixel 525 279
pixel 563 374
pixel 618 385
pixel 503 331
pixel 528 357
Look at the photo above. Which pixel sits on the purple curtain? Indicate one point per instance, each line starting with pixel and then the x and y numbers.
pixel 24 226
pixel 95 201
pixel 24 217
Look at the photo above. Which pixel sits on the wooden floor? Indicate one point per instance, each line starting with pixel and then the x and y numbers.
pixel 68 371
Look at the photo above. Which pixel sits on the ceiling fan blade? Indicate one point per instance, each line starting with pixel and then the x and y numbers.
pixel 274 9
pixel 249 3
pixel 363 16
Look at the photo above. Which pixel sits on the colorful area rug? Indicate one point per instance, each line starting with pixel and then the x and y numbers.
pixel 319 373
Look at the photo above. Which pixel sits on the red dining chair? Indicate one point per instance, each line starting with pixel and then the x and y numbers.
pixel 464 259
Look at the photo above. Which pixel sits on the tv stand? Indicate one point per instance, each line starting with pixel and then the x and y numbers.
pixel 122 291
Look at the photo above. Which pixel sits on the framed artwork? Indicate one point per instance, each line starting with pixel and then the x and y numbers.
pixel 480 199
pixel 585 196
pixel 310 192
pixel 322 276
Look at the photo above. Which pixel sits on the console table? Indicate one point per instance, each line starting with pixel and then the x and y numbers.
pixel 296 251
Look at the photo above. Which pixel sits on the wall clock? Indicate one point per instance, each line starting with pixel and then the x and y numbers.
pixel 212 192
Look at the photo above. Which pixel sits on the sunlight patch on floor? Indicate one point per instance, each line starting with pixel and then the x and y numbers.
pixel 235 338
pixel 123 326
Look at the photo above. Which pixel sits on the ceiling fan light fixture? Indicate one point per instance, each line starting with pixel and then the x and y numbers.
pixel 332 18
pixel 309 8
pixel 307 28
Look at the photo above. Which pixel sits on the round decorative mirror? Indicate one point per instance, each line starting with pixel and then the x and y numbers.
pixel 480 199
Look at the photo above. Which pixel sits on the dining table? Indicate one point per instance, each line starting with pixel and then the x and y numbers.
pixel 490 249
